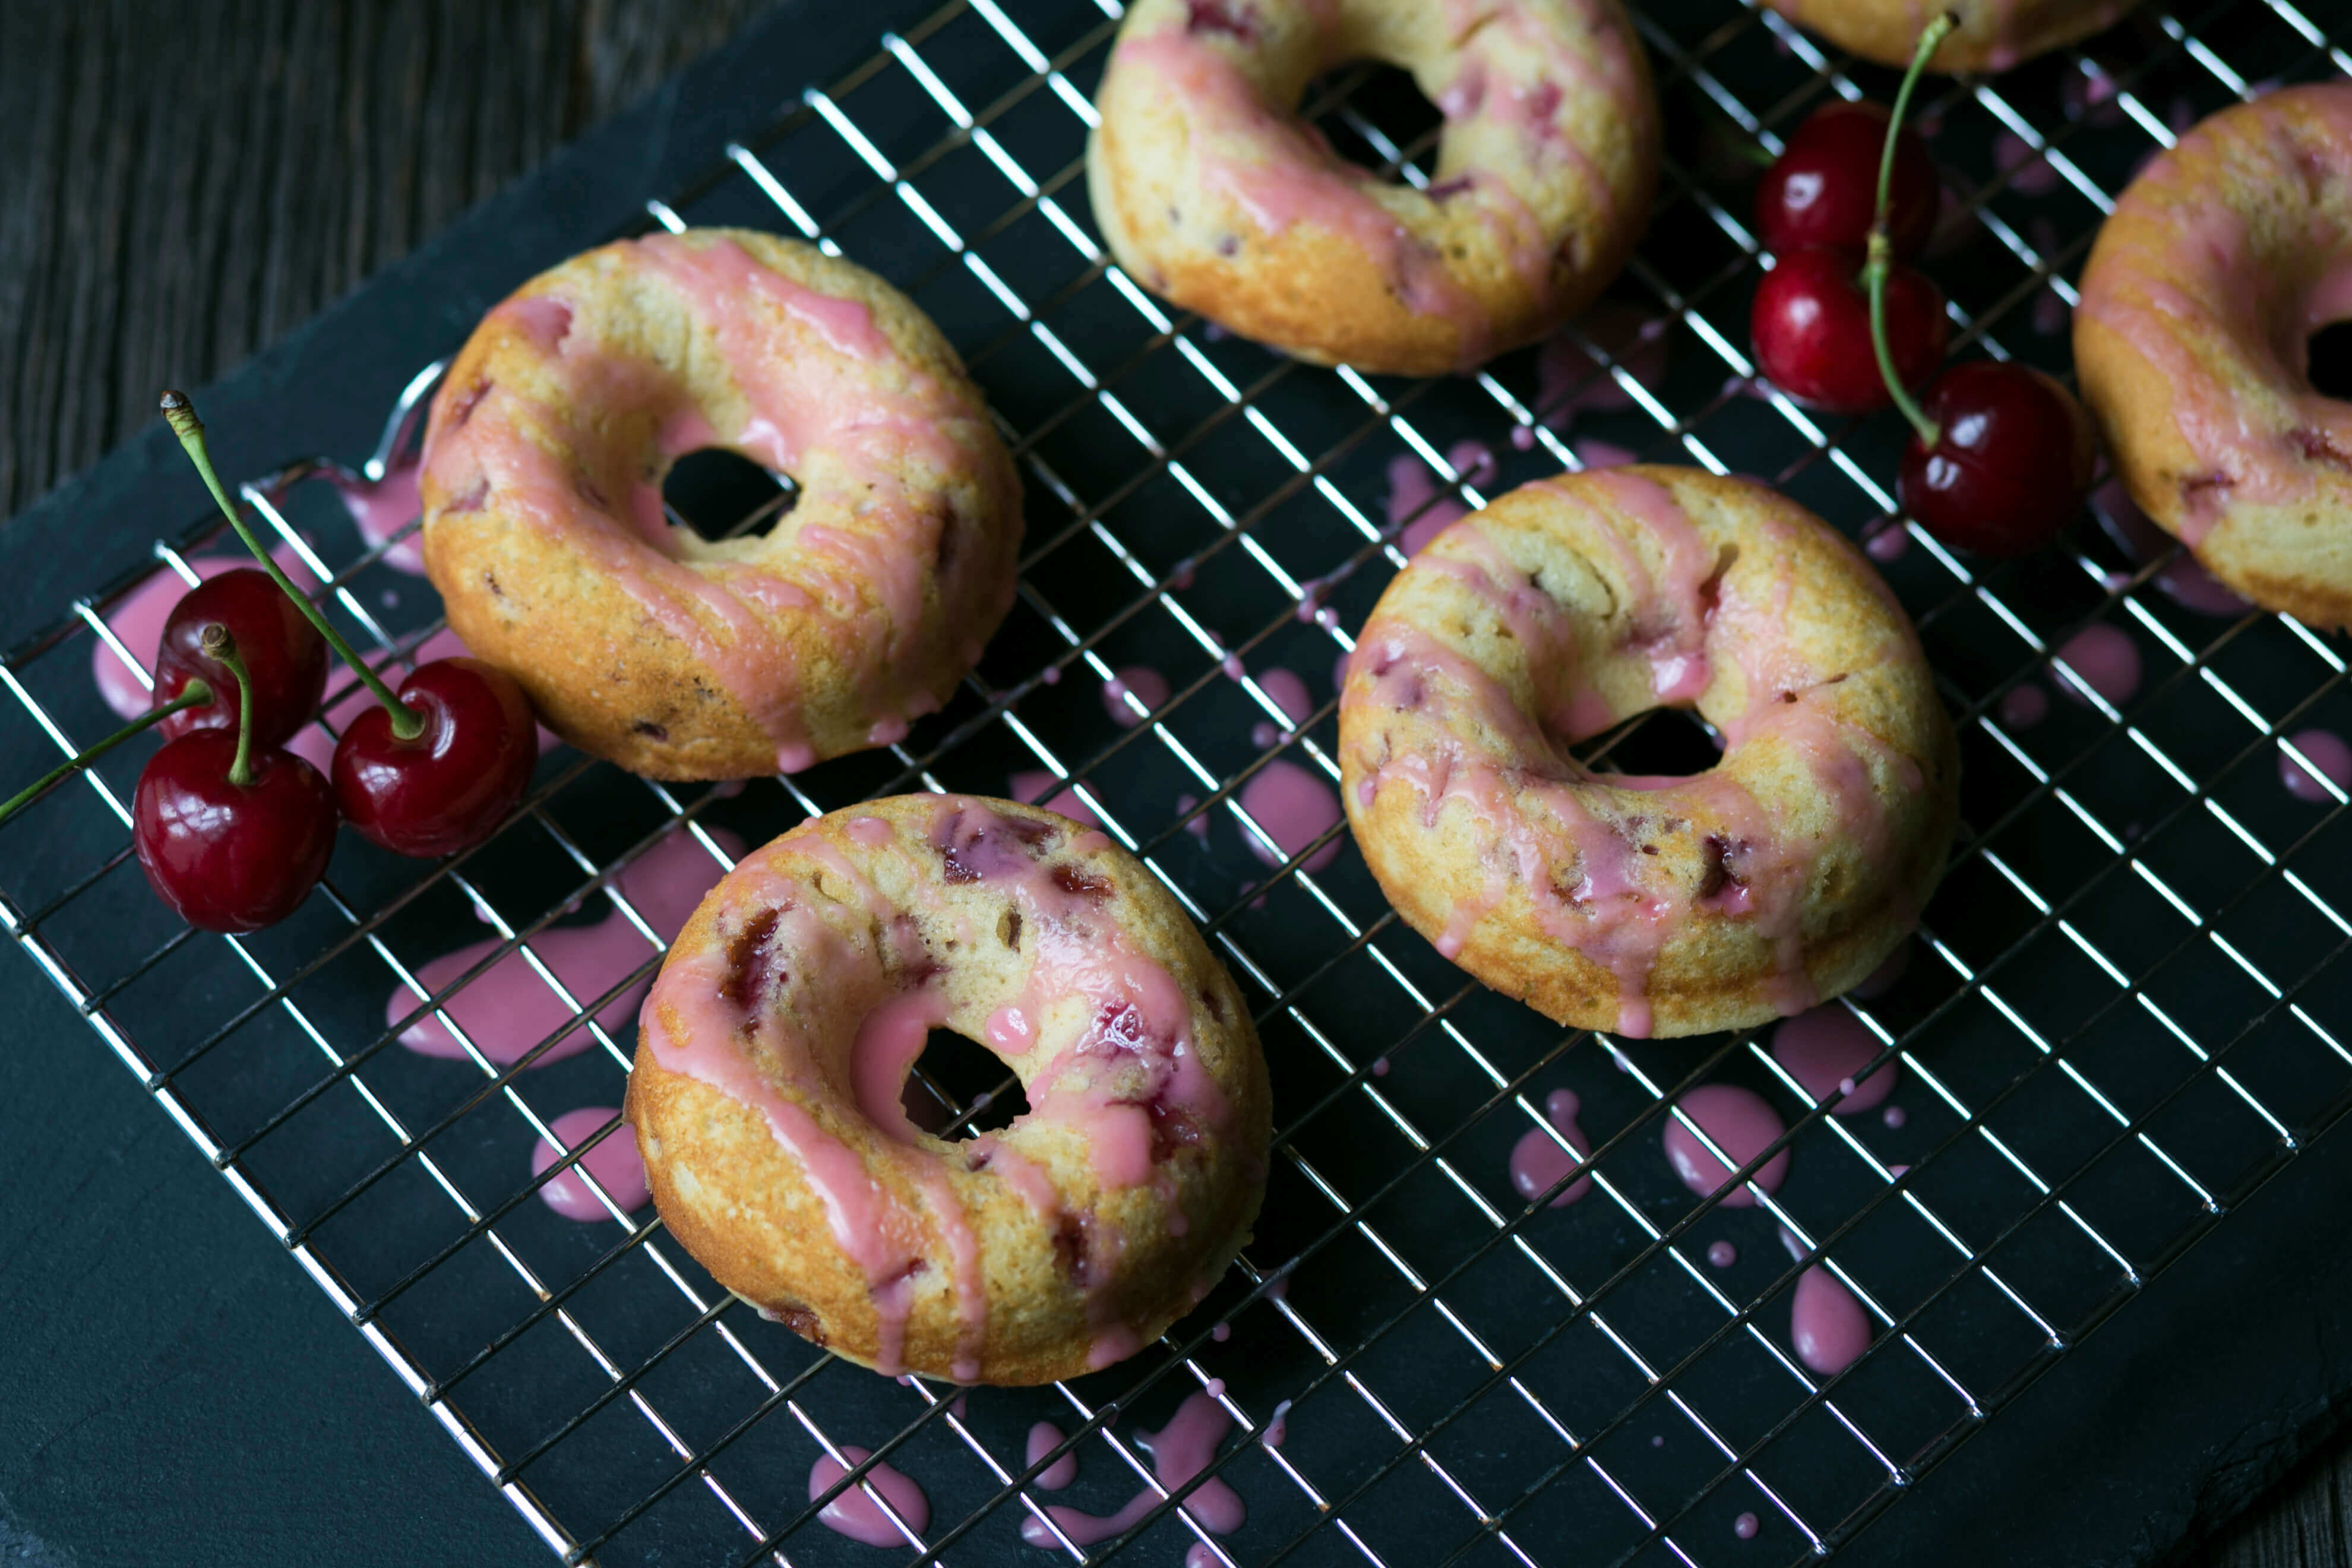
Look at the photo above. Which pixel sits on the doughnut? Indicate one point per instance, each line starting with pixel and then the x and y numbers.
pixel 780 1031
pixel 1783 875
pixel 2192 343
pixel 682 658
pixel 1212 193
pixel 1993 35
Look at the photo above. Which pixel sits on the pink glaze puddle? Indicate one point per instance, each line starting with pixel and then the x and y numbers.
pixel 1721 1255
pixel 2188 583
pixel 1145 684
pixel 1823 1050
pixel 2022 706
pixel 1198 826
pixel 1894 1116
pixel 1030 784
pixel 1887 541
pixel 1537 1160
pixel 1197 1555
pixel 2103 658
pixel 1044 1438
pixel 1745 1526
pixel 1179 1451
pixel 508 1009
pixel 1887 975
pixel 2327 751
pixel 382 507
pixel 1289 694
pixel 1742 1125
pixel 1414 493
pixel 1294 808
pixel 139 620
pixel 854 1514
pixel 614 1164
pixel 1569 381
pixel 1826 1325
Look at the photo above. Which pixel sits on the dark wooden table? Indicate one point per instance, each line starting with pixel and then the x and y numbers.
pixel 179 185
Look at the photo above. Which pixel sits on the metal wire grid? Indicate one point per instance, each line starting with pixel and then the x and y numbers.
pixel 2026 1244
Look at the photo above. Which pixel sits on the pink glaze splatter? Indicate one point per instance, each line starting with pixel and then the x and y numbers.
pixel 1044 1438
pixel 508 1009
pixel 1277 1427
pixel 1031 784
pixel 1745 1526
pixel 2188 583
pixel 1823 1050
pixel 1569 379
pixel 1289 694
pixel 2023 706
pixel 1887 541
pixel 2324 751
pixel 1179 1451
pixel 382 507
pixel 1537 1160
pixel 1145 684
pixel 1414 493
pixel 1742 1125
pixel 854 1514
pixel 614 1164
pixel 1721 1255
pixel 2029 171
pixel 2103 658
pixel 138 619
pixel 1826 1325
pixel 1294 808
pixel 1894 1116
pixel 1197 825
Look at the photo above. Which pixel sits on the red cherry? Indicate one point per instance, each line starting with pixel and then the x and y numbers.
pixel 1824 187
pixel 227 856
pixel 1811 327
pixel 450 788
pixel 2011 462
pixel 282 651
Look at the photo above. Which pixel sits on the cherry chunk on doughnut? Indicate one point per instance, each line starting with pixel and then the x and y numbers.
pixel 1783 875
pixel 1212 192
pixel 776 1046
pixel 678 657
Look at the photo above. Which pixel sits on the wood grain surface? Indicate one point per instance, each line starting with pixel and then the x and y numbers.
pixel 182 184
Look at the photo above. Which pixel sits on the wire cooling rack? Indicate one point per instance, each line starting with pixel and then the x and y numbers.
pixel 2124 1012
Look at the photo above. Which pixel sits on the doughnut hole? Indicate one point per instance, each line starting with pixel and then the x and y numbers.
pixel 2328 362
pixel 953 1073
pixel 724 495
pixel 1384 96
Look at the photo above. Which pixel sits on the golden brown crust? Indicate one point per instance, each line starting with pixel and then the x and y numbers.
pixel 621 663
pixel 1458 799
pixel 755 1212
pixel 1191 173
pixel 2196 301
pixel 1993 35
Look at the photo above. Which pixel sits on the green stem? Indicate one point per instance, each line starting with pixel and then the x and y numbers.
pixel 1879 259
pixel 195 694
pixel 407 723
pixel 221 648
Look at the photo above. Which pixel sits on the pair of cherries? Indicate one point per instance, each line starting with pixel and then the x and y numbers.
pixel 2000 456
pixel 232 829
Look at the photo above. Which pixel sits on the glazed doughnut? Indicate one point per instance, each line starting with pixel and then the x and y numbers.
pixel 780 1029
pixel 683 658
pixel 1212 193
pixel 1648 906
pixel 1993 35
pixel 2192 342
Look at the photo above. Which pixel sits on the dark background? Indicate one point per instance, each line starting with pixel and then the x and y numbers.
pixel 180 186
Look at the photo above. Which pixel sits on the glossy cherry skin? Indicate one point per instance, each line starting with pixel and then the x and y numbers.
pixel 1810 327
pixel 284 652
pixel 2011 464
pixel 1824 187
pixel 226 857
pixel 451 786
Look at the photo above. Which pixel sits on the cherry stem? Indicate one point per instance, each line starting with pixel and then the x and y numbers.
pixel 195 694
pixel 221 648
pixel 407 723
pixel 1880 257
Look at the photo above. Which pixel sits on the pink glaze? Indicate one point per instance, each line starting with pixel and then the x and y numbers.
pixel 1030 785
pixel 2323 751
pixel 382 507
pixel 1569 379
pixel 1537 1160
pixel 1143 683
pixel 854 1514
pixel 1179 1451
pixel 1044 1438
pixel 1742 1125
pixel 1289 694
pixel 614 1164
pixel 1277 1427
pixel 2181 578
pixel 1886 543
pixel 139 620
pixel 2029 172
pixel 1294 808
pixel 2101 657
pixel 1894 1116
pixel 1721 1255
pixel 888 1041
pixel 1826 1325
pixel 2023 706
pixel 1593 453
pixel 1745 1526
pixel 1825 1050
pixel 1416 505
pixel 1678 662
pixel 508 1008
